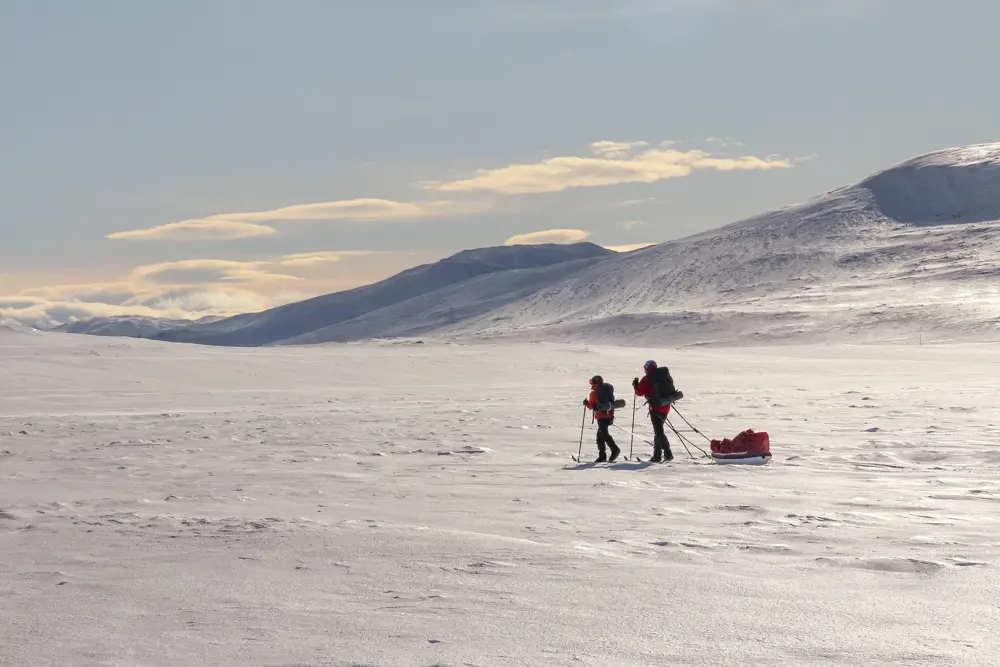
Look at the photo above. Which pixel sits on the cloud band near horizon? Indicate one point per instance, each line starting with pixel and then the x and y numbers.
pixel 189 289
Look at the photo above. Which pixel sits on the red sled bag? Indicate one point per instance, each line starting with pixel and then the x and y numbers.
pixel 749 447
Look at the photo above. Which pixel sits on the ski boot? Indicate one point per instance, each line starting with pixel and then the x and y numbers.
pixel 667 454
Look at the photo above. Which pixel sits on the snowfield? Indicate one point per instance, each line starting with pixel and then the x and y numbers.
pixel 398 503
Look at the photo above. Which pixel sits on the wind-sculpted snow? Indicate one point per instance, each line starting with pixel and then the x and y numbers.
pixel 909 254
pixel 415 504
pixel 950 186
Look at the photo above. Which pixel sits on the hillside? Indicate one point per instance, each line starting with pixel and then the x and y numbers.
pixel 129 326
pixel 913 249
pixel 908 252
pixel 400 292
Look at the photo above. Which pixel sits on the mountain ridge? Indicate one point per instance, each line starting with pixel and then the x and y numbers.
pixel 325 311
pixel 895 255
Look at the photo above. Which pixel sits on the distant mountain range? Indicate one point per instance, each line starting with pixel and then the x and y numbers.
pixel 131 326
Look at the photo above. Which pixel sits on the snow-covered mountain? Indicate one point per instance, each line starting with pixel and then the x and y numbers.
pixel 130 326
pixel 395 297
pixel 909 252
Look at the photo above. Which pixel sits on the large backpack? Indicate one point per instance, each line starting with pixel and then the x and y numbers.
pixel 664 391
pixel 605 397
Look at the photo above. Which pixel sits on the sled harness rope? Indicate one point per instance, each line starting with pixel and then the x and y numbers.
pixel 683 438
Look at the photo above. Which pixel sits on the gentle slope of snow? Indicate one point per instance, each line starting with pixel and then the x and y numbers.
pixel 832 268
pixel 404 504
pixel 329 311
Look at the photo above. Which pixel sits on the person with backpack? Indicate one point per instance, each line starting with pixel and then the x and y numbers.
pixel 601 401
pixel 656 387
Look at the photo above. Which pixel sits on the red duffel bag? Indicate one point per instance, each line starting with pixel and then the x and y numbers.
pixel 748 443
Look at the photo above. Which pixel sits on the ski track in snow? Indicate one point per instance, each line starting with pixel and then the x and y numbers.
pixel 401 504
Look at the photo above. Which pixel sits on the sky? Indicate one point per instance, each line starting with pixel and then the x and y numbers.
pixel 198 158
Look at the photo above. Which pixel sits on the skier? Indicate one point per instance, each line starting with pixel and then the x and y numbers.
pixel 598 401
pixel 657 413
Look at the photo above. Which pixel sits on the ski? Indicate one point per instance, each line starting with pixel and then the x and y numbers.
pixel 607 464
pixel 596 463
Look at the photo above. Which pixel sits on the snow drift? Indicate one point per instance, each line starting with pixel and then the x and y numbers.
pixel 908 253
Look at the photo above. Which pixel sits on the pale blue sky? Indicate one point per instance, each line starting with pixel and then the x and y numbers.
pixel 118 115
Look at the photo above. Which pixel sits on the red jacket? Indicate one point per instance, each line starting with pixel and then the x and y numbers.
pixel 645 389
pixel 592 401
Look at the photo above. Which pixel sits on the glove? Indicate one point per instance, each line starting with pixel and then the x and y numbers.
pixel 586 402
pixel 635 383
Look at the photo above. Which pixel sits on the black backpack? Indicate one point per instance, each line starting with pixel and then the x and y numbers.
pixel 664 391
pixel 605 397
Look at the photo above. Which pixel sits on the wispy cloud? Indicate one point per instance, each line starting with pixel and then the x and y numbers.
pixel 52 308
pixel 626 166
pixel 616 149
pixel 197 230
pixel 110 293
pixel 640 202
pixel 244 225
pixel 202 271
pixel 549 236
pixel 355 209
pixel 630 224
pixel 724 142
pixel 313 258
pixel 190 289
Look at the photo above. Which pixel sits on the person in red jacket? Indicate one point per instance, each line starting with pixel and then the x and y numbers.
pixel 657 414
pixel 604 421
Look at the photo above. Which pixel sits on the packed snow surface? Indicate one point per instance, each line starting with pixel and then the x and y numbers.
pixel 415 504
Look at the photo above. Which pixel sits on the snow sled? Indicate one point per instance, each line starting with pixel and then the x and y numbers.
pixel 747 448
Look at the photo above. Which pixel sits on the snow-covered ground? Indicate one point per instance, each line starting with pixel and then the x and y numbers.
pixel 415 504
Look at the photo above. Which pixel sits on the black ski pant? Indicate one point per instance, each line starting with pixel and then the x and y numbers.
pixel 604 438
pixel 660 443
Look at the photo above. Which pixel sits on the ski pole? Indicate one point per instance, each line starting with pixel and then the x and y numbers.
pixel 583 423
pixel 631 440
pixel 684 444
pixel 620 428
pixel 683 438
